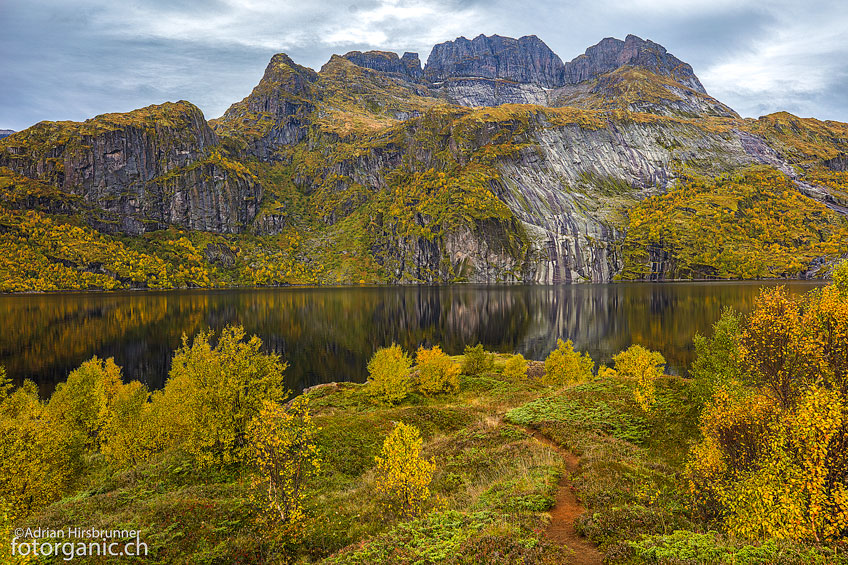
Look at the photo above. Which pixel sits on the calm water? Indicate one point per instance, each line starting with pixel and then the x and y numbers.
pixel 328 334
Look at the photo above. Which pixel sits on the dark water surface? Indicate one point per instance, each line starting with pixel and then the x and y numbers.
pixel 328 334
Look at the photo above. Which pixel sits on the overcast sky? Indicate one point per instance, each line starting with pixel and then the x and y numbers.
pixel 63 60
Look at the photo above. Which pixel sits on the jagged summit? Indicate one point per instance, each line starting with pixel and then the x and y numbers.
pixel 524 60
pixel 611 53
pixel 494 70
pixel 408 66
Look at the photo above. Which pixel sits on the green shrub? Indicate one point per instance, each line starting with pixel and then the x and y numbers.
pixel 515 367
pixel 597 416
pixel 476 361
pixel 388 375
pixel 564 365
pixel 717 360
pixel 684 547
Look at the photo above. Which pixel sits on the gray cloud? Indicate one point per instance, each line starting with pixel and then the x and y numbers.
pixel 65 60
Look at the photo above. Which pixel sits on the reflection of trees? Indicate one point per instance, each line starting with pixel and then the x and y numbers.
pixel 45 336
pixel 605 319
pixel 328 334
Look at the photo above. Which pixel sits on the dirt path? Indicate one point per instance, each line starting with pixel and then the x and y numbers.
pixel 566 510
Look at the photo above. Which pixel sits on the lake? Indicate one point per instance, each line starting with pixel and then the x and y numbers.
pixel 328 333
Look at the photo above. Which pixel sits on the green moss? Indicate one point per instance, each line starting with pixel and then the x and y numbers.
pixel 751 224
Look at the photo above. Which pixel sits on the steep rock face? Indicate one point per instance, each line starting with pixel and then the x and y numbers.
pixel 572 185
pixel 611 53
pixel 408 66
pixel 524 60
pixel 150 168
pixel 473 92
pixel 276 114
pixel 567 186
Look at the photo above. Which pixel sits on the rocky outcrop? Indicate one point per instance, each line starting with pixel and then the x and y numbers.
pixel 489 71
pixel 526 60
pixel 610 54
pixel 408 66
pixel 150 168
pixel 475 92
pixel 838 163
pixel 276 114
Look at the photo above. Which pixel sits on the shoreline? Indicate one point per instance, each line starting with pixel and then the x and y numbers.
pixel 408 285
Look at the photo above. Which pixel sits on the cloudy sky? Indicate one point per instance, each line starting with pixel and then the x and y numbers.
pixel 62 60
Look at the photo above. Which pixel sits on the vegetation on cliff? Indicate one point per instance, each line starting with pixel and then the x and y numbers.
pixel 752 224
pixel 359 175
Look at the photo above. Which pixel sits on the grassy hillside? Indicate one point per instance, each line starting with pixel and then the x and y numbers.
pixel 509 445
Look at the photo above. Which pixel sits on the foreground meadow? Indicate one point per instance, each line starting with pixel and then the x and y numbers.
pixel 475 458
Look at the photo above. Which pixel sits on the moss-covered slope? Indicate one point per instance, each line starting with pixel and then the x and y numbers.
pixel 367 171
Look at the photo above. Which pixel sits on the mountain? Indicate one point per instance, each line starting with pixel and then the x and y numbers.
pixel 6 133
pixel 494 162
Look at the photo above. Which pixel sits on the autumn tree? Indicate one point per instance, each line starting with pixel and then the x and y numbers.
pixel 37 464
pixel 840 277
pixel 782 355
pixel 403 476
pixel 476 361
pixel 213 392
pixel 642 366
pixel 564 365
pixel 771 462
pixel 82 404
pixel 388 375
pixel 436 372
pixel 6 385
pixel 131 431
pixel 285 453
pixel 515 367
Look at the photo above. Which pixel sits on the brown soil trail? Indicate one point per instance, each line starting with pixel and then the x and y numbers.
pixel 565 511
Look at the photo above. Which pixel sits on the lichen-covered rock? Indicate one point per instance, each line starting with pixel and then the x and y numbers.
pixel 150 168
pixel 276 114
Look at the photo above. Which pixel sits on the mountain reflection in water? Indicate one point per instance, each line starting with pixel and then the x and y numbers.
pixel 328 334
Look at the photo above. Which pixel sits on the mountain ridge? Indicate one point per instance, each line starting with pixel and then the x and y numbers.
pixel 371 170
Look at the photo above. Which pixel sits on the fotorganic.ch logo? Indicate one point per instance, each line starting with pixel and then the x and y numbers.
pixel 68 543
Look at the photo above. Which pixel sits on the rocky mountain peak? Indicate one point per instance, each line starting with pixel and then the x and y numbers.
pixel 523 60
pixel 408 66
pixel 6 133
pixel 611 53
pixel 283 73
